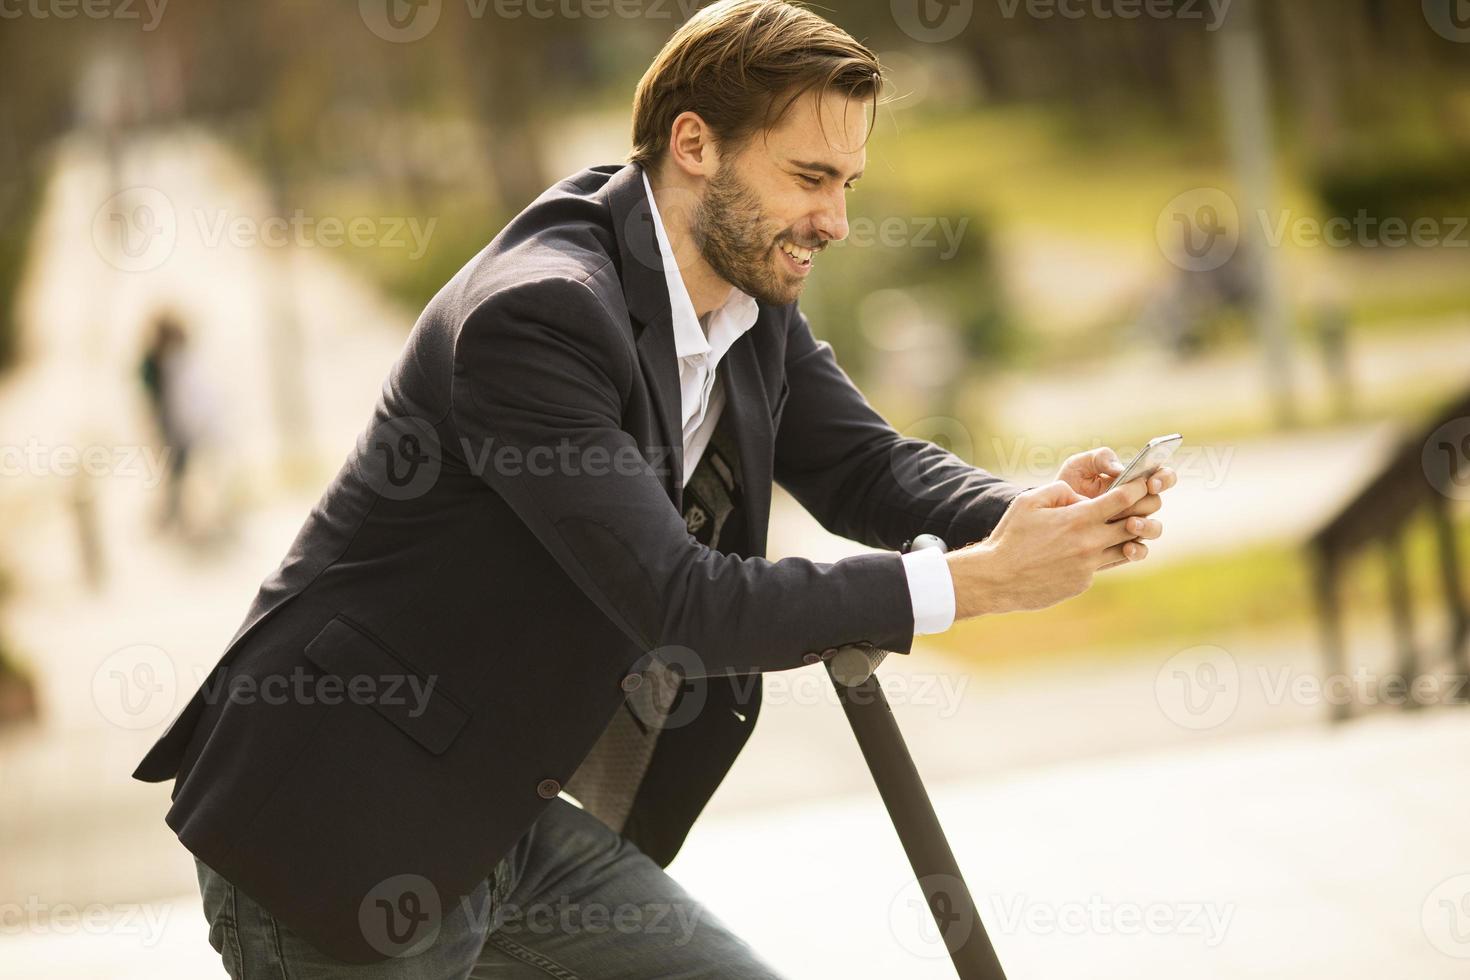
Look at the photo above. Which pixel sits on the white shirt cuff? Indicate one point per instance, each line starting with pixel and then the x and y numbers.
pixel 931 590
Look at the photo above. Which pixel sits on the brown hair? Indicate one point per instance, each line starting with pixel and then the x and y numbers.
pixel 732 60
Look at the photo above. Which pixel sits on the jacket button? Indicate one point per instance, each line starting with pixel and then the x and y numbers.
pixel 829 653
pixel 631 682
pixel 548 788
pixel 810 657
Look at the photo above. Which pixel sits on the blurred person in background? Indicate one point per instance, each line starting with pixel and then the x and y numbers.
pixel 166 375
pixel 183 405
pixel 541 573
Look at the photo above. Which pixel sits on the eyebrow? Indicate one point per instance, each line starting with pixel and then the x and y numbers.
pixel 823 168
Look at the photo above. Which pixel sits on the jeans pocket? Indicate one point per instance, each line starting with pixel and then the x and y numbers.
pixel 221 911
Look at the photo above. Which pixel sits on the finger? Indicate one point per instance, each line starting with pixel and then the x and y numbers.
pixel 1148 505
pixel 1162 479
pixel 1112 535
pixel 1144 528
pixel 1054 494
pixel 1123 554
pixel 1118 499
pixel 1105 462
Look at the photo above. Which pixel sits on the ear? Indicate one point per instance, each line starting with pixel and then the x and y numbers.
pixel 692 146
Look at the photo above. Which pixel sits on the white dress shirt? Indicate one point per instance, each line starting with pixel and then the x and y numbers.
pixel 699 346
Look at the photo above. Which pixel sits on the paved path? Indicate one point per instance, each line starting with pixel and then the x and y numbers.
pixel 1324 853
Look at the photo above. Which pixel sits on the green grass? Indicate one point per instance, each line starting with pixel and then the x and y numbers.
pixel 1191 601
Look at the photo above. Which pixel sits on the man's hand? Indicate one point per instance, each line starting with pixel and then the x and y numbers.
pixel 1092 472
pixel 1048 546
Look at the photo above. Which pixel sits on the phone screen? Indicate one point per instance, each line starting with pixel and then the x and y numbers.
pixel 1150 458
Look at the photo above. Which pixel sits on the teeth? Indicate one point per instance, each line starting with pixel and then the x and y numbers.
pixel 802 255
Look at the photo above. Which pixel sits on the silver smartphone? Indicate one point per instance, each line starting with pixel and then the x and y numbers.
pixel 1149 458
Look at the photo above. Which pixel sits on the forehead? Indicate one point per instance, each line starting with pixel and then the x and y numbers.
pixel 830 127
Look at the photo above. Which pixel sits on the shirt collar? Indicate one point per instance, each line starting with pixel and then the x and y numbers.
pixel 735 316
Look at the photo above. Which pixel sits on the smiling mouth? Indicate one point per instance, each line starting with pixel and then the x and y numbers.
pixel 799 257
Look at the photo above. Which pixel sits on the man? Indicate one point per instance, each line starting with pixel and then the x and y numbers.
pixel 542 568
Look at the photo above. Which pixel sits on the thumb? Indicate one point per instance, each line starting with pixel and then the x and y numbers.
pixel 1105 462
pixel 1054 494
pixel 1119 499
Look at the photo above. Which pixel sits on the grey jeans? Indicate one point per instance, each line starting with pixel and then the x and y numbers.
pixel 572 900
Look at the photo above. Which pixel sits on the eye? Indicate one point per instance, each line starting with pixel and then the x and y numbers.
pixel 809 181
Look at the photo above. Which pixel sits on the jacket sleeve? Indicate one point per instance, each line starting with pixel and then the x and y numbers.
pixel 541 372
pixel 862 479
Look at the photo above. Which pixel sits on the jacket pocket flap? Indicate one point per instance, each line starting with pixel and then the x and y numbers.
pixel 394 690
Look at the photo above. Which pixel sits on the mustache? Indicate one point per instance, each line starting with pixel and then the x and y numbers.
pixel 816 245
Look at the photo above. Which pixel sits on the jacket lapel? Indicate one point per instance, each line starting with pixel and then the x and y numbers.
pixel 750 423
pixel 647 295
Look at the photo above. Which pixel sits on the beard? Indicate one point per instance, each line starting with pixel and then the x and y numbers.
pixel 739 243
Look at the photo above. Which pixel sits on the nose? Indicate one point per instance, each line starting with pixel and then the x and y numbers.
pixel 830 222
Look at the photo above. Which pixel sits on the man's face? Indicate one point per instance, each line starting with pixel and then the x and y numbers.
pixel 777 200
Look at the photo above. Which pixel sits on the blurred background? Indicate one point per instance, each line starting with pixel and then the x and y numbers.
pixel 1084 223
